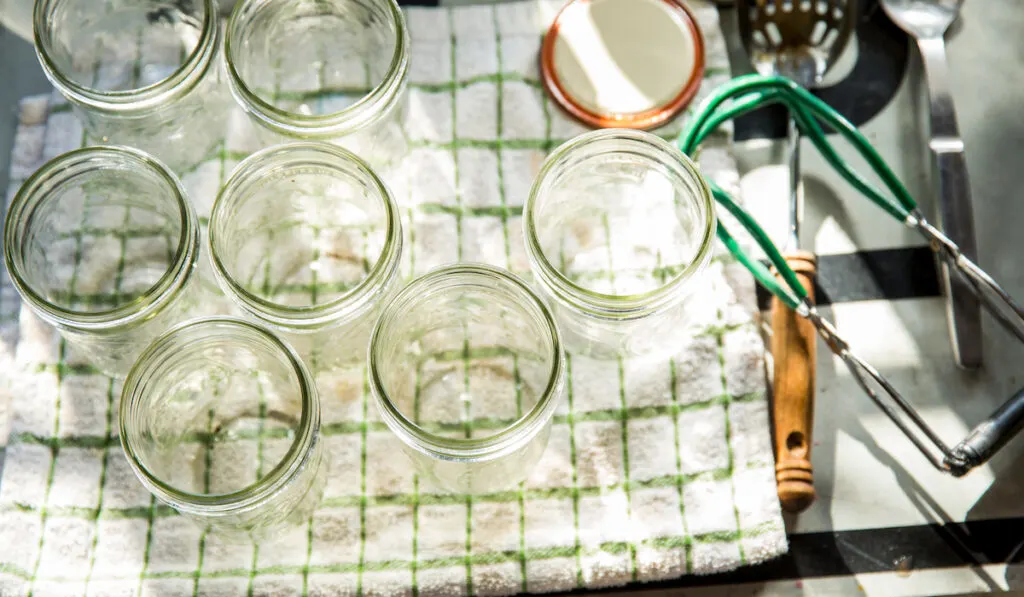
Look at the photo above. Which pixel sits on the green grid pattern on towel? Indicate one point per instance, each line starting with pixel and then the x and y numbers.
pixel 579 522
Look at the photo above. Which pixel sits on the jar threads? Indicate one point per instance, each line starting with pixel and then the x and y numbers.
pixel 102 243
pixel 618 227
pixel 153 82
pixel 466 368
pixel 343 79
pixel 306 239
pixel 220 420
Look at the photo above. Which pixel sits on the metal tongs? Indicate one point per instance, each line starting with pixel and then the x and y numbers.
pixel 751 92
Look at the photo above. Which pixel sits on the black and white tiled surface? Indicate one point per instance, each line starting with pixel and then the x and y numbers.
pixel 885 522
pixel 950 535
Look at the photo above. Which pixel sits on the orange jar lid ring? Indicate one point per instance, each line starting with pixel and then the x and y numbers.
pixel 623 63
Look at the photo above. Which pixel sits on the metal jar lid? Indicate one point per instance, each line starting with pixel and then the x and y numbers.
pixel 623 63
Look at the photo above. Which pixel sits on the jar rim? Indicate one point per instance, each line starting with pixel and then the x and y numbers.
pixel 338 123
pixel 35 191
pixel 152 96
pixel 509 437
pixel 618 305
pixel 308 316
pixel 250 496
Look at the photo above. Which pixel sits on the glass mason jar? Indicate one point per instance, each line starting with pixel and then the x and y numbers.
pixel 330 70
pixel 307 240
pixel 619 227
pixel 220 420
pixel 102 243
pixel 145 74
pixel 466 368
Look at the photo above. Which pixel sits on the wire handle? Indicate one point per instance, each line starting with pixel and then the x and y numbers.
pixel 751 92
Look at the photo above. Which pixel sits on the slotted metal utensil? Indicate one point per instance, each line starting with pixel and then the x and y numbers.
pixel 927 21
pixel 799 39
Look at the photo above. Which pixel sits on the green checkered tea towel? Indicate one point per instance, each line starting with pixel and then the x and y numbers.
pixel 655 468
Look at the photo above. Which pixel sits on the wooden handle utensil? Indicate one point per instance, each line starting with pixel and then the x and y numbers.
pixel 793 350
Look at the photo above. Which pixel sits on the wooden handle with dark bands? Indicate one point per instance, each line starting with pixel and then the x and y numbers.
pixel 793 350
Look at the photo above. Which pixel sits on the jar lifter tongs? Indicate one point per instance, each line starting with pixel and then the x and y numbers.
pixel 751 92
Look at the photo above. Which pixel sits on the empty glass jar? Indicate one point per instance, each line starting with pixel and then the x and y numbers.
pixel 329 70
pixel 619 226
pixel 466 368
pixel 220 420
pixel 145 74
pixel 102 243
pixel 306 239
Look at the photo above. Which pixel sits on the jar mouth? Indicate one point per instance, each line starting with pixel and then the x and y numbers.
pixel 361 113
pixel 596 144
pixel 191 336
pixel 281 161
pixel 36 191
pixel 145 98
pixel 509 436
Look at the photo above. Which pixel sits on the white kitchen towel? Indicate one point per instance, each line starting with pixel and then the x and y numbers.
pixel 655 468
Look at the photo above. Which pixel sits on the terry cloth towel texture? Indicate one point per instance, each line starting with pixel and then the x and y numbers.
pixel 654 470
